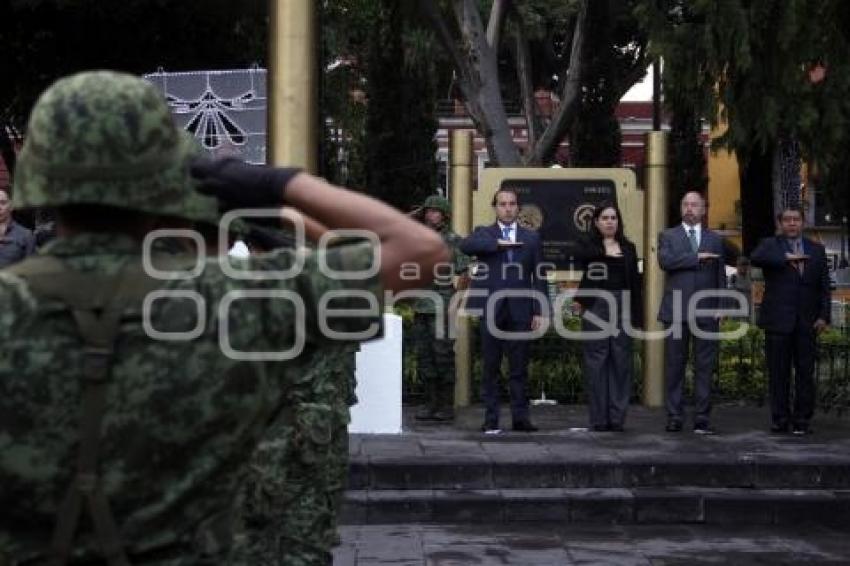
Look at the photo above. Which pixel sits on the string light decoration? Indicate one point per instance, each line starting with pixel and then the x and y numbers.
pixel 225 110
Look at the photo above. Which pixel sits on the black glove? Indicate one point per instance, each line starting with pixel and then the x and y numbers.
pixel 237 184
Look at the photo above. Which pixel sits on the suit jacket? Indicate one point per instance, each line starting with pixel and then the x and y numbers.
pixel 787 294
pixel 521 273
pixel 590 252
pixel 686 273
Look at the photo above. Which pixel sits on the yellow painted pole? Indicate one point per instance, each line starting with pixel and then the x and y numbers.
pixel 292 85
pixel 655 206
pixel 460 182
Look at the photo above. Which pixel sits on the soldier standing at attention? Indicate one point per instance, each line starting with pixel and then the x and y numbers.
pixel 131 399
pixel 435 357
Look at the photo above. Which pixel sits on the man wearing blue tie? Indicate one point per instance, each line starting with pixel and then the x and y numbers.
pixel 514 300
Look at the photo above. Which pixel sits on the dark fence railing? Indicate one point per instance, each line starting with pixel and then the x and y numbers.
pixel 741 373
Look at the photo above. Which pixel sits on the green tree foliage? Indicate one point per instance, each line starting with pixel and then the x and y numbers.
pixel 379 97
pixel 401 166
pixel 615 59
pixel 346 27
pixel 748 64
pixel 687 157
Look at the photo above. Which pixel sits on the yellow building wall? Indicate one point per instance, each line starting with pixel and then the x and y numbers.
pixel 724 192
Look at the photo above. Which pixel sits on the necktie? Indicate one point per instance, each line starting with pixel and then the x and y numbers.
pixel 506 235
pixel 798 250
pixel 692 238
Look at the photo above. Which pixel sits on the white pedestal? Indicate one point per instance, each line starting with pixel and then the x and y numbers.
pixel 378 408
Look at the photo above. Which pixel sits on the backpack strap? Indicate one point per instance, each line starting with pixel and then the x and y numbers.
pixel 97 302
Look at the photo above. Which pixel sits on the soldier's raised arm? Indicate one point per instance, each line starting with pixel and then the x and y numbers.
pixel 402 239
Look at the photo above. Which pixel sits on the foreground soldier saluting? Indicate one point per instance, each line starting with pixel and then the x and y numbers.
pixel 116 445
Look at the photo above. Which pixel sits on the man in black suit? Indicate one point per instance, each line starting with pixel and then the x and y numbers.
pixel 510 259
pixel 795 308
pixel 692 257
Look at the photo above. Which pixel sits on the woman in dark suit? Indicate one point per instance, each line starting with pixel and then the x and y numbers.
pixel 610 262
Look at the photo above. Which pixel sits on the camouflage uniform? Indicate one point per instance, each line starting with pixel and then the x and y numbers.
pixel 290 499
pixel 298 474
pixel 179 418
pixel 435 358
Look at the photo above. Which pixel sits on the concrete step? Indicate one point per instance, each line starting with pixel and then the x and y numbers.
pixel 563 473
pixel 689 504
pixel 494 470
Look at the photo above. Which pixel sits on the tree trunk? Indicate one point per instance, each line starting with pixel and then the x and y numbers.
pixel 786 174
pixel 756 190
pixel 497 131
pixel 529 102
pixel 564 116
pixel 475 59
pixel 485 91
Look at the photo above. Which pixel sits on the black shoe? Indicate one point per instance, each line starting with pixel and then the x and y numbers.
pixel 779 428
pixel 801 429
pixel 490 428
pixel 616 428
pixel 673 425
pixel 600 428
pixel 524 426
pixel 703 428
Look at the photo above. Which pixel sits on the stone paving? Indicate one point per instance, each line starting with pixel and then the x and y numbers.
pixel 555 545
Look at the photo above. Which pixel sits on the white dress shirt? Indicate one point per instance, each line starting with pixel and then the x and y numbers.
pixel 512 234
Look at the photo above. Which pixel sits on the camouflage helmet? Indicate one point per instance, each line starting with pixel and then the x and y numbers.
pixel 108 138
pixel 438 203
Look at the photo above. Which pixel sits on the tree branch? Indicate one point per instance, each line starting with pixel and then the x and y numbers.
pixel 557 128
pixel 432 12
pixel 485 91
pixel 523 64
pixel 498 14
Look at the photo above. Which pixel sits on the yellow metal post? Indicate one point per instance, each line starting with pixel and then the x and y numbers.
pixel 292 85
pixel 655 203
pixel 460 182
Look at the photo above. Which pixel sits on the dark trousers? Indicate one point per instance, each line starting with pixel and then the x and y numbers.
pixel 492 349
pixel 781 351
pixel 435 361
pixel 607 368
pixel 675 362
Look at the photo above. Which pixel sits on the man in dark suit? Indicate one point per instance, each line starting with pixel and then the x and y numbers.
pixel 692 257
pixel 795 308
pixel 510 258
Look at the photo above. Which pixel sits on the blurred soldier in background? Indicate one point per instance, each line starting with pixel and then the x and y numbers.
pixel 435 356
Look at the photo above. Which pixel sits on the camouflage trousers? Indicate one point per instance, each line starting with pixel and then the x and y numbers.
pixel 435 361
pixel 297 477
